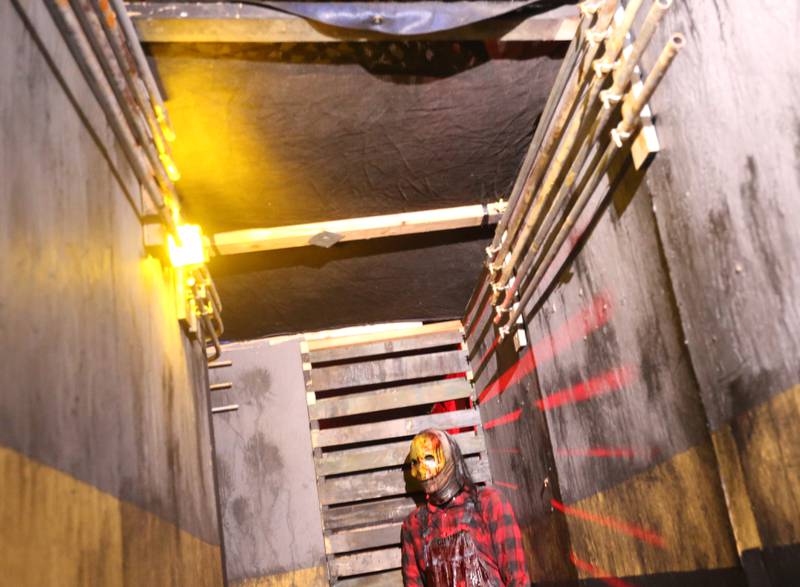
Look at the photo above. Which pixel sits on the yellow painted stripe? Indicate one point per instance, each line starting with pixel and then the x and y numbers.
pixel 56 530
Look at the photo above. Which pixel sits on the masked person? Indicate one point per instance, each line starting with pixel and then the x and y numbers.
pixel 462 536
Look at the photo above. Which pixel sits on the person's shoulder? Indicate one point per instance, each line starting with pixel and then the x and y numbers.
pixel 491 495
pixel 412 520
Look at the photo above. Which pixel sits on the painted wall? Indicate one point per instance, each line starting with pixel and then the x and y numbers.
pixel 105 452
pixel 268 490
pixel 666 352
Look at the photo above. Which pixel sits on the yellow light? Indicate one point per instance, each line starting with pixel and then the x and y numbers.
pixel 169 165
pixel 191 250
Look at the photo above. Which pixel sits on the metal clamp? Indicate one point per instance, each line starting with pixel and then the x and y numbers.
pixel 609 99
pixel 602 67
pixel 589 7
pixel 619 136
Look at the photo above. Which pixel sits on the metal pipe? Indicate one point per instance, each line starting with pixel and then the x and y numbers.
pixel 584 136
pixel 557 152
pixel 118 42
pixel 564 73
pixel 66 22
pixel 228 408
pixel 136 48
pixel 551 139
pixel 631 118
pixel 93 30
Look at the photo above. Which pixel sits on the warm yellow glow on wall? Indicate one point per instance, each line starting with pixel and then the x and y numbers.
pixel 191 251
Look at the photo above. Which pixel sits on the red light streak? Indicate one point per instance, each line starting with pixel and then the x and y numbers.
pixel 607 382
pixel 597 573
pixel 507 485
pixel 477 317
pixel 587 321
pixel 503 420
pixel 613 523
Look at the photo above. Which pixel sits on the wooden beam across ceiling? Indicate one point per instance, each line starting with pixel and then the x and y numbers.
pixel 223 22
pixel 330 232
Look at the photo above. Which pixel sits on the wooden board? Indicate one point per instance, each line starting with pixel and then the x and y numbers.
pixel 364 514
pixel 384 455
pixel 361 539
pixel 363 486
pixel 394 428
pixel 318 344
pixel 387 399
pixel 387 579
pixel 367 562
pixel 185 22
pixel 410 343
pixel 387 370
pixel 249 240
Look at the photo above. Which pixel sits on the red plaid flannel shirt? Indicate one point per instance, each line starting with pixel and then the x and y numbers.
pixel 500 547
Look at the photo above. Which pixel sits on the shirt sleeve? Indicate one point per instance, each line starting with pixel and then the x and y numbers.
pixel 507 541
pixel 411 570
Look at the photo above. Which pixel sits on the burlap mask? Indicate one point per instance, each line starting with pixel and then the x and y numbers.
pixel 437 464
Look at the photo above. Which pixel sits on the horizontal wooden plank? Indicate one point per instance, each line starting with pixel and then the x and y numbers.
pixel 234 22
pixel 395 345
pixel 390 398
pixel 273 238
pixel 363 538
pixel 386 579
pixel 388 370
pixel 332 342
pixel 367 562
pixel 393 428
pixel 384 455
pixel 362 486
pixel 385 511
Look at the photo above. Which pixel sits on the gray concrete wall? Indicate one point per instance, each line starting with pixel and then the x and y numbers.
pixel 105 453
pixel 268 491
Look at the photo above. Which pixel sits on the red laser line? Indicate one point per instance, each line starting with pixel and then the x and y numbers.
pixel 485 355
pixel 613 523
pixel 507 485
pixel 597 572
pixel 477 318
pixel 586 321
pixel 607 382
pixel 503 420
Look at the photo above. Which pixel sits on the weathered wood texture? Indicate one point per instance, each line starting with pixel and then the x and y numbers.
pixel 394 428
pixel 376 476
pixel 384 455
pixel 390 398
pixel 388 370
pixel 105 451
pixel 697 267
pixel 384 579
pixel 382 347
pixel 374 484
pixel 269 503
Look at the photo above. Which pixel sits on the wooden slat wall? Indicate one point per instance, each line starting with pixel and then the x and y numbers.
pixel 364 491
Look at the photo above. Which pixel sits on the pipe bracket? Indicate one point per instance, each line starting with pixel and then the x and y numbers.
pixel 589 7
pixel 602 67
pixel 594 38
pixel 619 136
pixel 609 99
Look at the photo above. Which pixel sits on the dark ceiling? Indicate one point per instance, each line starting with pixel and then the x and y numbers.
pixel 278 134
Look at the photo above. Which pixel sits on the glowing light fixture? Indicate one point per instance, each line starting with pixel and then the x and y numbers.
pixel 191 251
